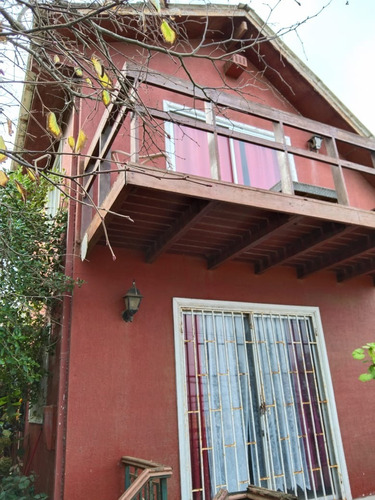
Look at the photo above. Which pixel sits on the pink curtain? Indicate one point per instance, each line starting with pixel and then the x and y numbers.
pixel 191 151
pixel 255 166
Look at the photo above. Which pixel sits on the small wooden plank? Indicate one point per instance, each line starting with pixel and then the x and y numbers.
pixel 258 493
pixel 221 495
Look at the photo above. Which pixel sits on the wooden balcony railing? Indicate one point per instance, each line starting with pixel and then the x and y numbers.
pixel 111 152
pixel 145 480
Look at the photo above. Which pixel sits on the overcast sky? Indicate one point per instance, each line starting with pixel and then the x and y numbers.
pixel 338 45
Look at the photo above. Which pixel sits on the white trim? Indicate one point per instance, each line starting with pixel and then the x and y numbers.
pixel 221 122
pixel 183 424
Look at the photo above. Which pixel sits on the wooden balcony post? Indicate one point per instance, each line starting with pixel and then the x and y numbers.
pixel 213 149
pixel 282 156
pixel 337 173
pixel 134 137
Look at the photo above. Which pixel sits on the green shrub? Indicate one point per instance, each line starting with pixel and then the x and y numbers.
pixel 18 487
pixel 5 465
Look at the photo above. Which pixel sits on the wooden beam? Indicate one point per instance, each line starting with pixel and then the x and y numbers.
pixel 283 160
pixel 191 216
pixel 319 236
pixel 238 34
pixel 337 173
pixel 365 244
pixel 208 189
pixel 359 269
pixel 252 238
pixel 112 202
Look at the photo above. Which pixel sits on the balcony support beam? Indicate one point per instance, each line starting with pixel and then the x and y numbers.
pixel 364 245
pixel 360 269
pixel 252 239
pixel 196 211
pixel 318 237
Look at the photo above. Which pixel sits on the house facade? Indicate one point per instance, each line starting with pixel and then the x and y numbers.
pixel 240 200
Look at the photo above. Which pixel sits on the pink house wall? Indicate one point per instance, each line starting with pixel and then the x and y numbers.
pixel 122 393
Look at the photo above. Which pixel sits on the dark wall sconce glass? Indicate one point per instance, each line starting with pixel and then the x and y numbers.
pixel 315 143
pixel 132 300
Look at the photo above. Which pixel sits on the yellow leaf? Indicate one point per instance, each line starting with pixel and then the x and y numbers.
pixel 89 82
pixel 80 141
pixel 97 65
pixel 71 142
pixel 3 156
pixel 104 79
pixel 106 97
pixel 22 191
pixel 78 72
pixel 33 174
pixel 168 33
pixel 56 59
pixel 3 179
pixel 53 126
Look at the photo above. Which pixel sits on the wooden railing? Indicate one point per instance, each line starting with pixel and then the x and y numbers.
pixel 145 480
pixel 342 152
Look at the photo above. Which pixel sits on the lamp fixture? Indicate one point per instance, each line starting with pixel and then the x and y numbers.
pixel 132 300
pixel 315 143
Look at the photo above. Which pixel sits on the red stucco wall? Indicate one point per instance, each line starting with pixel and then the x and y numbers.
pixel 122 396
pixel 121 386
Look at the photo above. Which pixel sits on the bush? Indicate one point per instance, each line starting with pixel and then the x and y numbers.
pixel 18 487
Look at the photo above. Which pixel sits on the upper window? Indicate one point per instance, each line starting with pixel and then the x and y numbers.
pixel 191 151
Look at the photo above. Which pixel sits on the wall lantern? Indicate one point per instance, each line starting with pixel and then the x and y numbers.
pixel 315 143
pixel 132 300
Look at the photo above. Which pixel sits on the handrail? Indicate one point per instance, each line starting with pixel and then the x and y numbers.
pixel 150 471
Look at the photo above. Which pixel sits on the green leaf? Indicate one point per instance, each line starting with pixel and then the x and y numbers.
pixel 358 353
pixel 365 377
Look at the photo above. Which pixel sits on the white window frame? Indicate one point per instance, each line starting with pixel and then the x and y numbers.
pixel 182 398
pixel 171 107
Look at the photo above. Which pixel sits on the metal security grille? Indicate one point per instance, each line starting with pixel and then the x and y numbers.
pixel 256 405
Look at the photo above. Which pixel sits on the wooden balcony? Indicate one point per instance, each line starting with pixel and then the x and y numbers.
pixel 310 227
